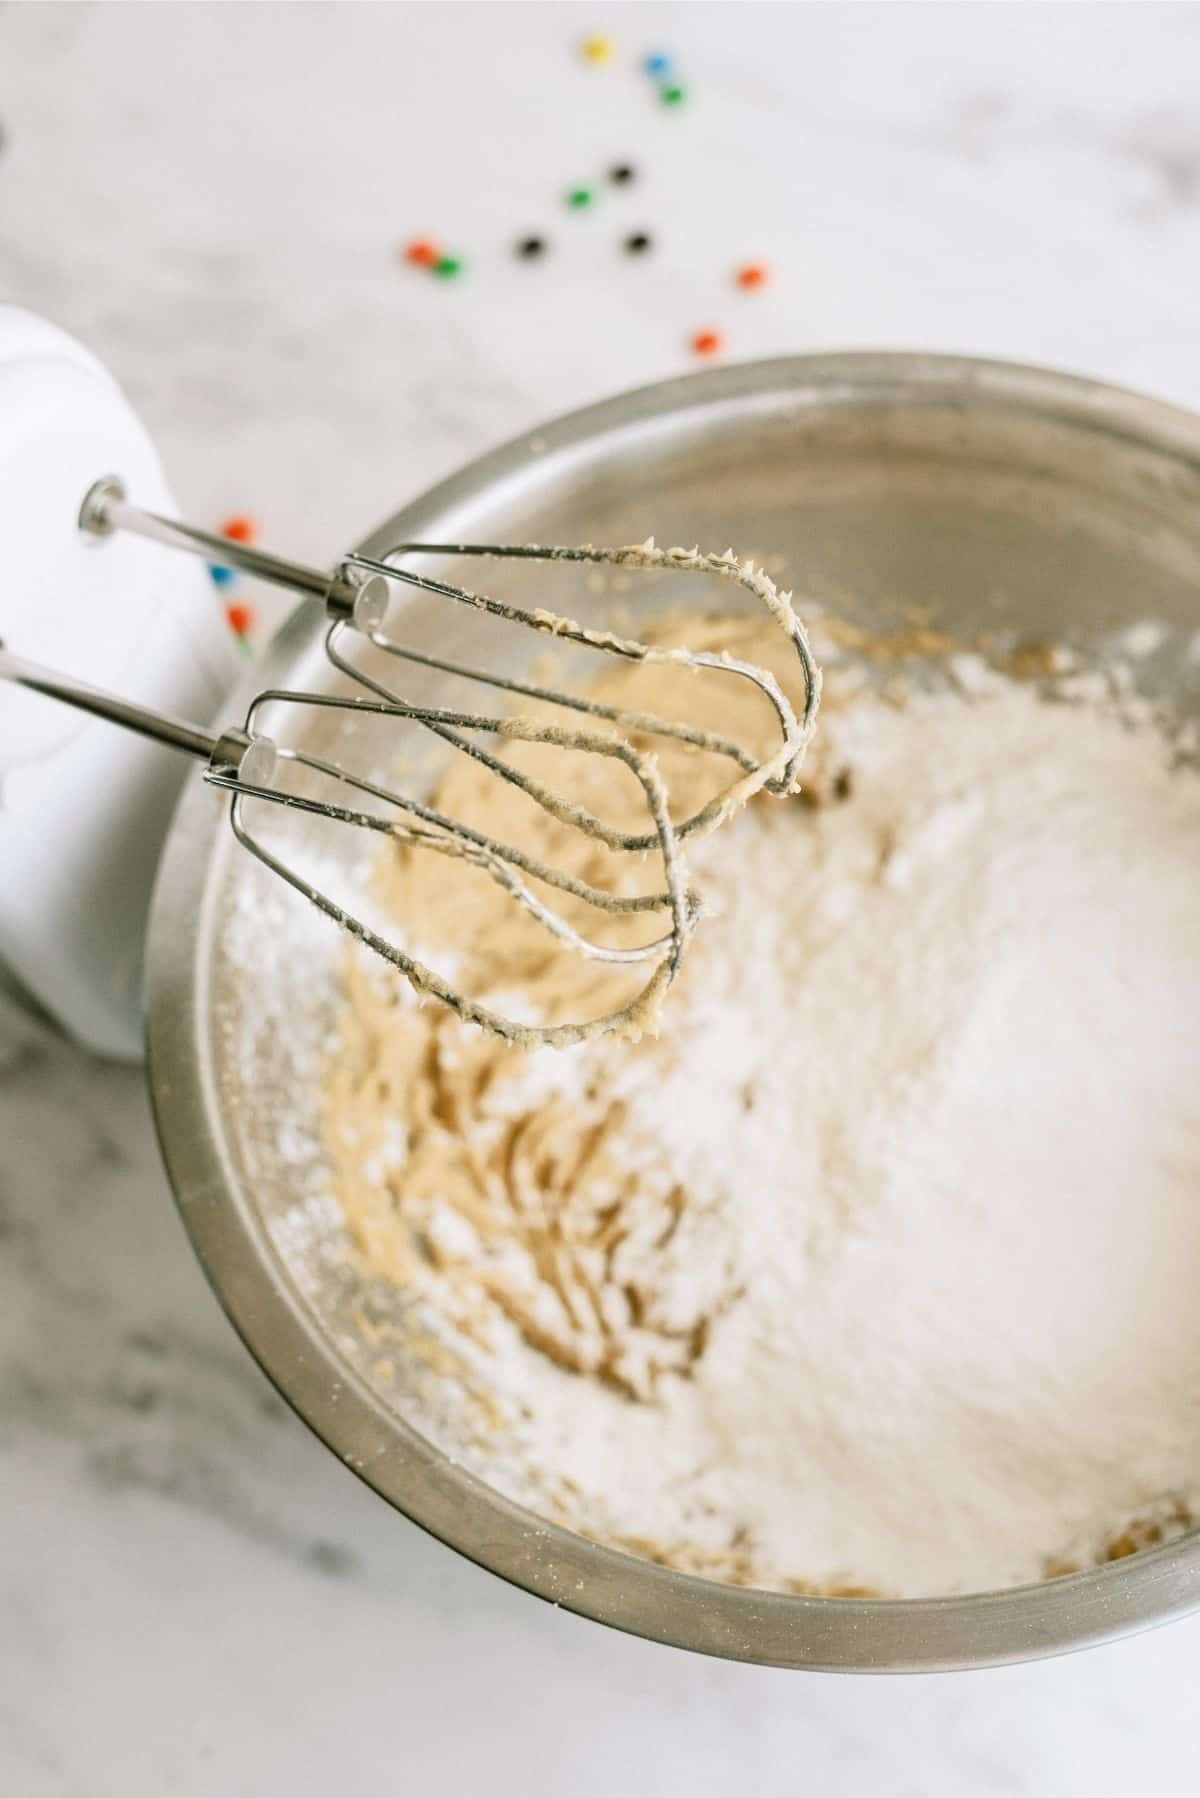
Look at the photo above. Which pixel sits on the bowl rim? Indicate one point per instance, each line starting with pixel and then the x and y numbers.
pixel 393 1459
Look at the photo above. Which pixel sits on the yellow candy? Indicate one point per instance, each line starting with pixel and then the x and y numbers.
pixel 598 49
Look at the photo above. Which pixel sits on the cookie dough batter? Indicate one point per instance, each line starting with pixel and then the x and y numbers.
pixel 875 1271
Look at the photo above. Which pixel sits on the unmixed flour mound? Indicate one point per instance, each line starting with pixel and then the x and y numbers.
pixel 876 1270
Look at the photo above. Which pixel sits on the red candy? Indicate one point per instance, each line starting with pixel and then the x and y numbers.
pixel 242 617
pixel 752 275
pixel 239 530
pixel 708 343
pixel 423 254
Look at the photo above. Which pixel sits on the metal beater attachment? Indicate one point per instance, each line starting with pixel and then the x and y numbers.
pixel 357 598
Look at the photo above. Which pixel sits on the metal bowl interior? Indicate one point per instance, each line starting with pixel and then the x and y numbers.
pixel 998 497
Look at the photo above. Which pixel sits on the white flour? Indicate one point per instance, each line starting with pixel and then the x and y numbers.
pixel 930 1086
pixel 932 1089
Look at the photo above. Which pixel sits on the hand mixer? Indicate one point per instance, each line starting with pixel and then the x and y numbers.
pixel 358 596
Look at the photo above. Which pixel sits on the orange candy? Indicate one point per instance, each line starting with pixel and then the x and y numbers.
pixel 242 617
pixel 752 275
pixel 708 343
pixel 239 529
pixel 423 254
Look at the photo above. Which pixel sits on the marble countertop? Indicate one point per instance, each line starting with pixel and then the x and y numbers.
pixel 194 1597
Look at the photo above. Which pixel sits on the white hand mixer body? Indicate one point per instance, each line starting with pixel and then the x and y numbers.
pixel 84 809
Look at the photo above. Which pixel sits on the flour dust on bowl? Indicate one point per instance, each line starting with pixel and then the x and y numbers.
pixel 1003 564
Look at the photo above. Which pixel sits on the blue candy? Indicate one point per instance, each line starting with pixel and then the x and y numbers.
pixel 657 65
pixel 221 576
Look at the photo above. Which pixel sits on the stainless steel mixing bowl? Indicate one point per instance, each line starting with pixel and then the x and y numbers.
pixel 1000 497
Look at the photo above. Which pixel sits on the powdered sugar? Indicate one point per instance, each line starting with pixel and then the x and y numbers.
pixel 904 1299
pixel 929 1088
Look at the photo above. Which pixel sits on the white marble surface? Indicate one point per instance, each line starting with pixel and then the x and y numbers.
pixel 194 1598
